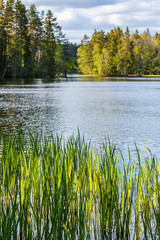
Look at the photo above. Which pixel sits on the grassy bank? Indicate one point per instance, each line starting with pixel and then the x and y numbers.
pixel 52 190
pixel 150 75
pixel 128 76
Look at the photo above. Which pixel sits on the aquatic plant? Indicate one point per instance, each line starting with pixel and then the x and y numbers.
pixel 51 189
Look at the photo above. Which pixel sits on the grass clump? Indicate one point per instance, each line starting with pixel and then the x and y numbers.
pixel 55 190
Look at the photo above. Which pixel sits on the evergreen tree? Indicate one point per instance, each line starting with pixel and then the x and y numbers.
pixel 114 44
pixel 149 53
pixel 119 53
pixel 31 44
pixel 49 45
pixel 3 44
pixel 157 42
pixel 111 50
pixel 125 55
pixel 98 43
pixel 9 16
pixel 61 51
pixel 84 53
pixel 71 57
pixel 35 33
pixel 21 40
pixel 1 12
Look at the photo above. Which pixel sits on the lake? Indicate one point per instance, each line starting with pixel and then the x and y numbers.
pixel 127 110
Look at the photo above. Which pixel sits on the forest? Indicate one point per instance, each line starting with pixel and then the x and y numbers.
pixel 120 53
pixel 32 44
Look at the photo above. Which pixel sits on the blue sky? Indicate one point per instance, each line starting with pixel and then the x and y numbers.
pixel 79 17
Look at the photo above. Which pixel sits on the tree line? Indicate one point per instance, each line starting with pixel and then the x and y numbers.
pixel 32 44
pixel 120 53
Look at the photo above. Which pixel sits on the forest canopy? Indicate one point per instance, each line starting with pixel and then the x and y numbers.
pixel 32 44
pixel 120 53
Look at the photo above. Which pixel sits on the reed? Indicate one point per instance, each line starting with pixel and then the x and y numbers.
pixel 50 189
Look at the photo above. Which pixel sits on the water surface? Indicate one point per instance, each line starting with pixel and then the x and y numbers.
pixel 127 110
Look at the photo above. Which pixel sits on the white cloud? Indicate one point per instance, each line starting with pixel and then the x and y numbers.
pixel 116 19
pixel 72 19
pixel 82 17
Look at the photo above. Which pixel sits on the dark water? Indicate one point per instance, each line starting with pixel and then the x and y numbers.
pixel 126 110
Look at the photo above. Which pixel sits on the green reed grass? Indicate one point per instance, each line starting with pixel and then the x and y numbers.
pixel 55 190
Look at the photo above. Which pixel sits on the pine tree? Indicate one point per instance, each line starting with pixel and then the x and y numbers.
pixel 1 11
pixel 21 40
pixel 125 54
pixel 49 46
pixel 149 55
pixel 9 23
pixel 3 44
pixel 30 44
pixel 114 43
pixel 35 33
pixel 61 51
pixel 137 60
pixel 111 50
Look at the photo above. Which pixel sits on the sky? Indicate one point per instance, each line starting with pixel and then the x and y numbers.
pixel 79 17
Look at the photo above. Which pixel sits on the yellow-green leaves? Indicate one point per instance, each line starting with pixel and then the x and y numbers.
pixel 55 190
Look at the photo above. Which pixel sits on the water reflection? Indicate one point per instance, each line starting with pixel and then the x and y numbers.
pixel 128 111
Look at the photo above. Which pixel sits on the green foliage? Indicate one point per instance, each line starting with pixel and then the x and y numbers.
pixel 125 55
pixel 47 62
pixel 31 43
pixel 118 53
pixel 35 34
pixel 84 54
pixel 55 190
